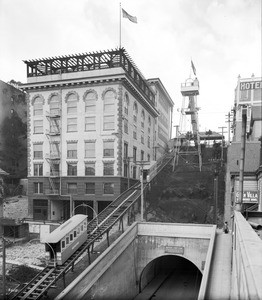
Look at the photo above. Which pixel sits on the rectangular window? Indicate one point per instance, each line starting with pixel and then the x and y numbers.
pixel 148 142
pixel 108 148
pixel 72 188
pixel 54 169
pixel 134 172
pixel 90 150
pixel 148 157
pixel 108 168
pixel 125 150
pixel 38 169
pixel 125 170
pixel 72 169
pixel 55 126
pixel 108 188
pixel 38 187
pixel 38 151
pixel 125 126
pixel 55 150
pixel 40 209
pixel 90 123
pixel 109 122
pixel 90 169
pixel 38 126
pixel 90 188
pixel 142 155
pixel 63 244
pixel 135 132
pixel 142 137
pixel 71 124
pixel 134 154
pixel 72 150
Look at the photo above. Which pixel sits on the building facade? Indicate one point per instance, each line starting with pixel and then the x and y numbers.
pixel 91 117
pixel 248 102
pixel 13 135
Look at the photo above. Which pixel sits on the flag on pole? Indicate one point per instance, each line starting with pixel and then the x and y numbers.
pixel 193 67
pixel 128 16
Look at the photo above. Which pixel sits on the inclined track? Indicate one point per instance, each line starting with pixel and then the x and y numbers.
pixel 96 228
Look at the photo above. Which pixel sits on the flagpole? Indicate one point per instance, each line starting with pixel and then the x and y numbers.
pixel 120 28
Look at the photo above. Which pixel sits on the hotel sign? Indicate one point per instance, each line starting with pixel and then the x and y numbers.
pixel 250 85
pixel 248 196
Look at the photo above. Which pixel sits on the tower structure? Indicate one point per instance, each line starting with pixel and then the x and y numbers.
pixel 188 140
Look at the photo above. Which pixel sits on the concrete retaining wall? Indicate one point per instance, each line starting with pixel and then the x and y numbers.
pixel 247 261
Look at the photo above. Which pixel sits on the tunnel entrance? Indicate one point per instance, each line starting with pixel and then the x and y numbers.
pixel 169 277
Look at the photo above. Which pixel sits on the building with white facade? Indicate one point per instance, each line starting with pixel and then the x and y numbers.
pixel 91 116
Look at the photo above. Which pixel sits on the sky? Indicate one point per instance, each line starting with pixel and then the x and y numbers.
pixel 221 37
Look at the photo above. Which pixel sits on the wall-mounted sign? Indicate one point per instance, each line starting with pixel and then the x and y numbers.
pixel 249 196
pixel 250 85
pixel 174 249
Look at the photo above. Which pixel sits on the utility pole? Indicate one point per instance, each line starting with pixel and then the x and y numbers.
pixel 242 158
pixel 3 268
pixel 222 153
pixel 142 163
pixel 228 121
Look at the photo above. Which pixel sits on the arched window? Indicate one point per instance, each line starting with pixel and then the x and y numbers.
pixel 90 103
pixel 126 103
pixel 38 106
pixel 54 105
pixel 135 112
pixel 109 102
pixel 149 124
pixel 142 118
pixel 109 110
pixel 72 104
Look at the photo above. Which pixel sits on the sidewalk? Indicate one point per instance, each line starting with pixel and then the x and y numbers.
pixel 219 282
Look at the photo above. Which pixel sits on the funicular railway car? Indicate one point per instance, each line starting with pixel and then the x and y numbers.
pixel 149 171
pixel 61 243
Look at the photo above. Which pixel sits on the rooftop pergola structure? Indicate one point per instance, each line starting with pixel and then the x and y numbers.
pixel 90 61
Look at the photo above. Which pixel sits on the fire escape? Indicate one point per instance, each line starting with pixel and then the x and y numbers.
pixel 54 156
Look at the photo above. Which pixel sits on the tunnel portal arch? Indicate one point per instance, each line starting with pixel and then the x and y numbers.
pixel 169 264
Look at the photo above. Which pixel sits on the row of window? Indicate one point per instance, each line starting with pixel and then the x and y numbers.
pixel 90 149
pixel 108 188
pixel 90 125
pixel 72 100
pixel 90 105
pixel 108 169
pixel 73 235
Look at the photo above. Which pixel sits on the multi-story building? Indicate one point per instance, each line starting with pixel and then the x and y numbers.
pixel 248 102
pixel 91 117
pixel 13 134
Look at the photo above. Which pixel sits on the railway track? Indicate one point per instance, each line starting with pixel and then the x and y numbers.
pixel 96 229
